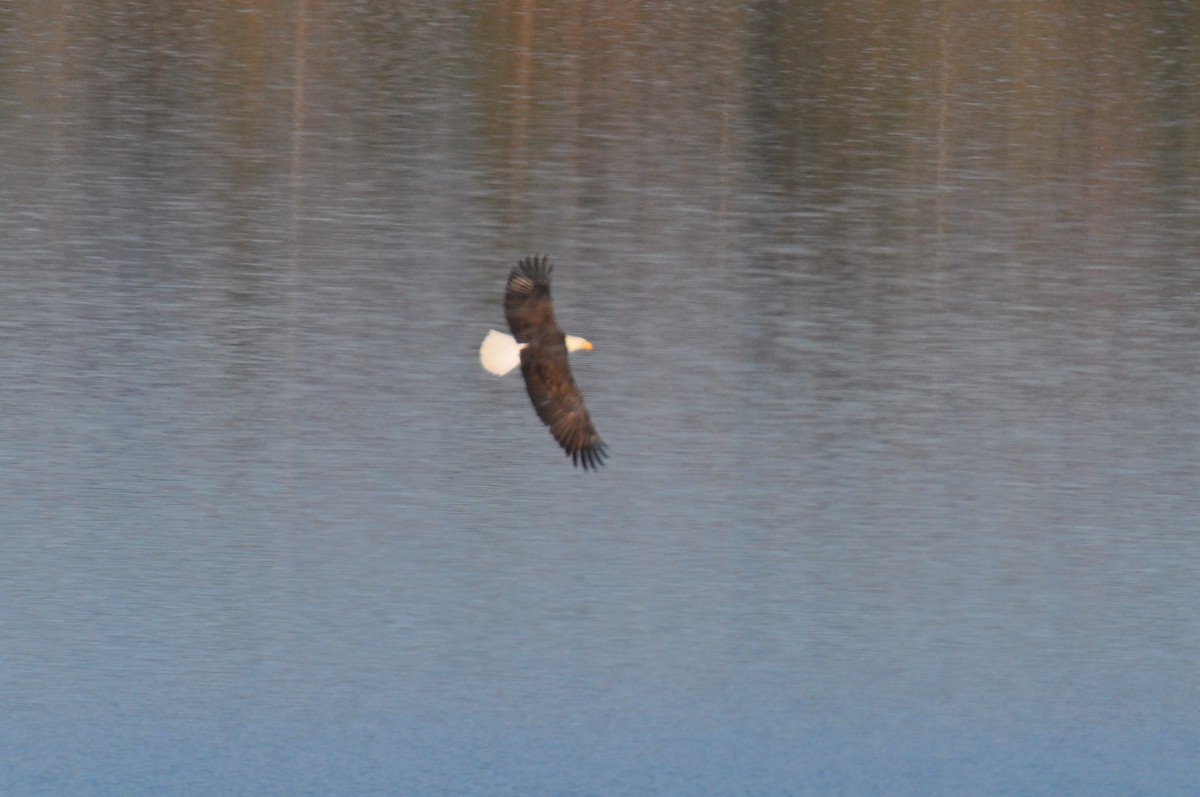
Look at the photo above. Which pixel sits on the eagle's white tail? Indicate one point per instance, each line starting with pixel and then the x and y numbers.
pixel 500 353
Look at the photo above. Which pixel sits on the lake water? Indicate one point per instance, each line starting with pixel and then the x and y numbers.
pixel 896 313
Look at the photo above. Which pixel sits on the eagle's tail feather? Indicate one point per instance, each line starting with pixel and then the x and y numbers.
pixel 500 353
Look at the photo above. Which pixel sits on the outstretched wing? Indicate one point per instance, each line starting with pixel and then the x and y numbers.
pixel 552 389
pixel 527 300
pixel 558 401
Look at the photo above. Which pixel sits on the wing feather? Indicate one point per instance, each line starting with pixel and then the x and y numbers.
pixel 559 403
pixel 552 389
pixel 527 304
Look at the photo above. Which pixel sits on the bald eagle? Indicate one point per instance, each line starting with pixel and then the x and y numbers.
pixel 540 348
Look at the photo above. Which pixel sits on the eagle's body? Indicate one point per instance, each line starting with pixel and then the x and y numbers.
pixel 540 347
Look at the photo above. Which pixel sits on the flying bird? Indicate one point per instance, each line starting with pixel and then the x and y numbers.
pixel 539 346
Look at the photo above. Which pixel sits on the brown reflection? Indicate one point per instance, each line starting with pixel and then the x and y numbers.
pixel 578 93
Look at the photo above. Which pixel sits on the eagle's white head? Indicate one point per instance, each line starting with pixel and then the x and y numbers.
pixel 578 344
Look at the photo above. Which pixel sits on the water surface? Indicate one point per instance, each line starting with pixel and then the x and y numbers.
pixel 896 313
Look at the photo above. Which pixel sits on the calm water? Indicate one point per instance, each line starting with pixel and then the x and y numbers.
pixel 897 321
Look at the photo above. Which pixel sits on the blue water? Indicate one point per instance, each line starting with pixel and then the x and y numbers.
pixel 895 356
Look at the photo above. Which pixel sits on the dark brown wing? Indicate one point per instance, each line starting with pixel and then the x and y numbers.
pixel 527 300
pixel 552 389
pixel 557 400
